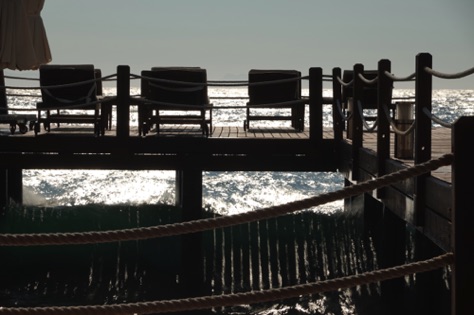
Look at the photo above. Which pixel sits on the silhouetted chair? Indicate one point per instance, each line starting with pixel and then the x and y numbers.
pixel 168 102
pixel 13 120
pixel 283 94
pixel 72 97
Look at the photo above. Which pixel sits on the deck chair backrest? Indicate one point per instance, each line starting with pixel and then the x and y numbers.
pixel 370 91
pixel 98 75
pixel 175 93
pixel 274 92
pixel 57 75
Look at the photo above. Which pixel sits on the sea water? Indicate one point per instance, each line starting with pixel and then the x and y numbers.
pixel 223 192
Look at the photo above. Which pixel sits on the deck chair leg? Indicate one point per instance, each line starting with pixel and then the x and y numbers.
pixel 37 128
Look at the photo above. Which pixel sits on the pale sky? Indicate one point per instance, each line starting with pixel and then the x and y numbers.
pixel 228 38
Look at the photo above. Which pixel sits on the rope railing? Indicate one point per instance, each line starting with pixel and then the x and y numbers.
pixel 206 302
pixel 401 98
pixel 286 104
pixel 458 75
pixel 23 95
pixel 341 113
pixel 67 106
pixel 227 81
pixel 20 87
pixel 218 83
pixel 229 97
pixel 220 222
pixel 395 127
pixel 436 119
pixel 244 298
pixel 58 86
pixel 364 121
pixel 368 81
pixel 20 78
pixel 346 84
pixel 410 77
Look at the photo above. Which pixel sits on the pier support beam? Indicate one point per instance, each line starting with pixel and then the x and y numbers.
pixel 11 187
pixel 392 249
pixel 337 101
pixel 357 131
pixel 189 198
pixel 15 185
pixel 384 99
pixel 123 101
pixel 423 91
pixel 462 217
pixel 316 106
pixel 3 95
pixel 3 190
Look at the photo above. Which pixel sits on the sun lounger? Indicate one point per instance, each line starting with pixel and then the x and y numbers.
pixel 284 93
pixel 175 103
pixel 72 97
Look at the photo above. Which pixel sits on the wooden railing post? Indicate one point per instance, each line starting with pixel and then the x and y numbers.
pixel 15 185
pixel 3 190
pixel 357 131
pixel 462 289
pixel 123 101
pixel 338 121
pixel 189 198
pixel 3 95
pixel 316 106
pixel 423 87
pixel 3 171
pixel 384 100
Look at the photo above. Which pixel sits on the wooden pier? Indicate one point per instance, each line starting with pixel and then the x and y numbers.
pixel 435 205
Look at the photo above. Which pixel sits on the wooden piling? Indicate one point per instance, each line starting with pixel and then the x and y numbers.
pixel 392 253
pixel 338 121
pixel 462 288
pixel 11 185
pixel 316 106
pixel 383 129
pixel 3 189
pixel 3 171
pixel 423 86
pixel 15 185
pixel 357 131
pixel 123 101
pixel 3 95
pixel 189 198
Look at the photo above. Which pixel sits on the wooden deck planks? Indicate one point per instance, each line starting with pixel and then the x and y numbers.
pixel 441 137
pixel 440 142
